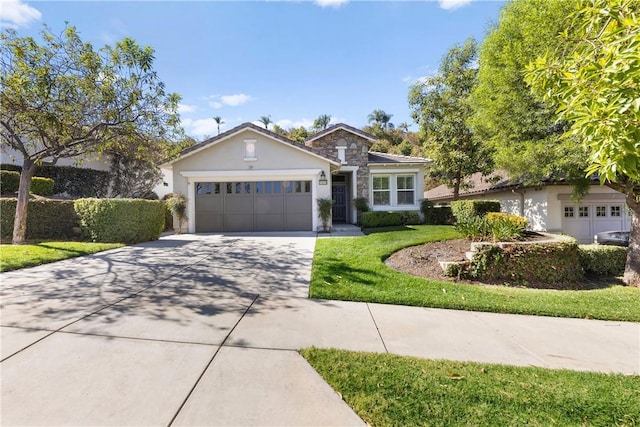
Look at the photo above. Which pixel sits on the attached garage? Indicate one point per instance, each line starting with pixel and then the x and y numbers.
pixel 253 206
pixel 584 220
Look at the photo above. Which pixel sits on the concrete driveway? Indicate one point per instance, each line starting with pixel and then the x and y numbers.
pixel 203 330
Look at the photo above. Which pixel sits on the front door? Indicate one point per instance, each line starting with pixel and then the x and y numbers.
pixel 339 196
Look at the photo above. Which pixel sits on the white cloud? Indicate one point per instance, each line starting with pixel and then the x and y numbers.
pixel 185 108
pixel 286 123
pixel 453 4
pixel 201 127
pixel 215 104
pixel 219 101
pixel 14 14
pixel 330 3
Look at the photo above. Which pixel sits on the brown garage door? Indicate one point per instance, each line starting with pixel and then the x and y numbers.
pixel 253 206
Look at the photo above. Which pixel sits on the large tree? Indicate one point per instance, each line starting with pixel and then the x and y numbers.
pixel 594 79
pixel 61 98
pixel 322 122
pixel 440 105
pixel 381 118
pixel 519 126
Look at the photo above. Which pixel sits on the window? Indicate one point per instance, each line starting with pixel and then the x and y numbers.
pixel 198 188
pixel 615 211
pixel 381 191
pixel 341 154
pixel 250 149
pixel 583 211
pixel 207 188
pixel 568 212
pixel 601 211
pixel 406 190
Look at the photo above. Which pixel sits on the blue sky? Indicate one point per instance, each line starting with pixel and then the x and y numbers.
pixel 292 60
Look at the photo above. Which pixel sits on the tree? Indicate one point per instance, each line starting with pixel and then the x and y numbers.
pixel 322 122
pixel 440 105
pixel 61 98
pixel 219 122
pixel 506 114
pixel 266 121
pixel 381 118
pixel 594 80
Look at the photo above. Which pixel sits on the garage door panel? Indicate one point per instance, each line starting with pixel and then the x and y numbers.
pixel 238 222
pixel 269 204
pixel 270 222
pixel 209 204
pixel 298 203
pixel 297 222
pixel 209 223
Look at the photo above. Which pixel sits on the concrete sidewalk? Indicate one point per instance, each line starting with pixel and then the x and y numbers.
pixel 203 330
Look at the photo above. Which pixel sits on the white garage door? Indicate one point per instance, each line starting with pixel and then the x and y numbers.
pixel 584 220
pixel 253 206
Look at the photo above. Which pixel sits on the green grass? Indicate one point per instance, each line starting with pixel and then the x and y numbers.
pixel 389 390
pixel 352 269
pixel 13 257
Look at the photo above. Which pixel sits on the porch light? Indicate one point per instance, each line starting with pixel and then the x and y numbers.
pixel 323 178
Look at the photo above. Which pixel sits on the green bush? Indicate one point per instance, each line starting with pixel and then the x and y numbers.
pixel 120 220
pixel 474 228
pixel 465 209
pixel 504 227
pixel 436 215
pixel 9 181
pixel 46 219
pixel 73 181
pixel 552 264
pixel 388 219
pixel 41 186
pixel 603 260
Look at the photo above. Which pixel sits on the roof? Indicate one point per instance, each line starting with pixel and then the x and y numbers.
pixel 337 127
pixel 376 158
pixel 244 126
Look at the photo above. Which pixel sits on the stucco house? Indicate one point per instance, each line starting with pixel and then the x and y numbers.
pixel 548 207
pixel 252 179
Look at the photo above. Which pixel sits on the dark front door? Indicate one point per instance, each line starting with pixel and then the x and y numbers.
pixel 339 196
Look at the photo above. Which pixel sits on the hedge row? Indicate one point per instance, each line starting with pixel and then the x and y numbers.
pixel 602 260
pixel 436 215
pixel 121 220
pixel 73 181
pixel 10 182
pixel 386 219
pixel 465 209
pixel 46 219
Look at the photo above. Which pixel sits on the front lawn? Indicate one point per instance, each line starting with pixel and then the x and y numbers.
pixel 13 257
pixel 390 390
pixel 352 269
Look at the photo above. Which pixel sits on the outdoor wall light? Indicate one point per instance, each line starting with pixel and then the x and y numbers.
pixel 323 178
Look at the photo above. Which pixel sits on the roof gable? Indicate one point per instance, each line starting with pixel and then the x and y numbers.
pixel 376 158
pixel 340 126
pixel 211 142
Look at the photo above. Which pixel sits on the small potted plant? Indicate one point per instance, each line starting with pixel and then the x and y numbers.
pixel 177 204
pixel 324 211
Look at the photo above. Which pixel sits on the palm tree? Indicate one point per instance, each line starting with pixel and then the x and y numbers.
pixel 404 127
pixel 322 122
pixel 381 118
pixel 266 120
pixel 219 122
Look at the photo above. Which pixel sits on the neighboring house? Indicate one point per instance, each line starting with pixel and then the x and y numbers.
pixel 9 156
pixel 252 179
pixel 548 207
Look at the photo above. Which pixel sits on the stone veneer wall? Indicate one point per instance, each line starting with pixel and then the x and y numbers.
pixel 356 154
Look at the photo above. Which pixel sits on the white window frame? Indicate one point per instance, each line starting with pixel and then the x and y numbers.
pixel 388 190
pixel 413 189
pixel 393 188
pixel 342 153
pixel 250 148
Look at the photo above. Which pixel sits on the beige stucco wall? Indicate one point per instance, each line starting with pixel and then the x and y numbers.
pixel 398 169
pixel 88 161
pixel 225 161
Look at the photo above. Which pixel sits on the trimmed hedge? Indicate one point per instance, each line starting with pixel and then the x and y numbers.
pixel 9 181
pixel 464 209
pixel 436 215
pixel 553 264
pixel 41 186
pixel 70 180
pixel 120 220
pixel 46 219
pixel 603 260
pixel 387 219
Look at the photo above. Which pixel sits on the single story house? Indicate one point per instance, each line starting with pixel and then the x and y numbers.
pixel 251 179
pixel 547 207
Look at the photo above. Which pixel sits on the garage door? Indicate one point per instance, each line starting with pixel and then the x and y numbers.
pixel 253 206
pixel 584 220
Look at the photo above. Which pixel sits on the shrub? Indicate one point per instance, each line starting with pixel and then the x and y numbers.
pixel 46 219
pixel 70 180
pixel 504 226
pixel 41 186
pixel 9 181
pixel 474 228
pixel 436 215
pixel 177 205
pixel 555 264
pixel 120 220
pixel 388 219
pixel 465 209
pixel 603 260
pixel 361 204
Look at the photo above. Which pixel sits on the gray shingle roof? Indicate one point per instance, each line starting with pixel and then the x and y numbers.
pixel 386 158
pixel 336 127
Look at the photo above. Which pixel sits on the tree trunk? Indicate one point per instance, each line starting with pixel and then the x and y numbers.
pixel 20 221
pixel 632 267
pixel 456 185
